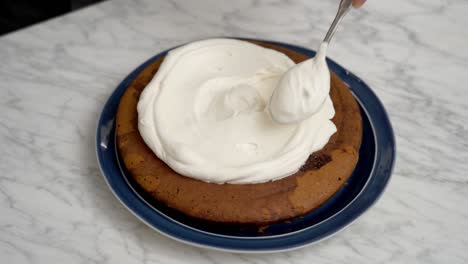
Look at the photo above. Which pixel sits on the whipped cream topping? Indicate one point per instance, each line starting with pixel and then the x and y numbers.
pixel 205 114
pixel 302 90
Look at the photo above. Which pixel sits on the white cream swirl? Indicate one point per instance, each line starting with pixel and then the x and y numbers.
pixel 205 114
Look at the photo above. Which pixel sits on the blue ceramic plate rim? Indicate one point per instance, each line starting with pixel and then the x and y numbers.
pixel 370 193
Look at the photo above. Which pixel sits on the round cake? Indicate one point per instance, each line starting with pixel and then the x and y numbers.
pixel 322 175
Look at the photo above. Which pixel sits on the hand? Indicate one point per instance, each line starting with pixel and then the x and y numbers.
pixel 358 3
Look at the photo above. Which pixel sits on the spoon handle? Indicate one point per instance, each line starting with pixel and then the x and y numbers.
pixel 342 10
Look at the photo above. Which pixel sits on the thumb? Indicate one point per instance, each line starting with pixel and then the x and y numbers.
pixel 358 3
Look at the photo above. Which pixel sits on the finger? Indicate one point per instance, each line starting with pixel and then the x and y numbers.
pixel 358 3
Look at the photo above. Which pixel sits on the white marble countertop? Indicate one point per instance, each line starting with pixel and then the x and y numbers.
pixel 55 77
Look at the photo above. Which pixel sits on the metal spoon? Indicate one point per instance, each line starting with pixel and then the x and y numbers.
pixel 303 89
pixel 345 5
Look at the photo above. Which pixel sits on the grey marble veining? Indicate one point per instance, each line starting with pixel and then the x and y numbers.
pixel 55 77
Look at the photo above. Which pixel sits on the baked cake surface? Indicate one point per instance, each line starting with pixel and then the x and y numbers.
pixel 318 179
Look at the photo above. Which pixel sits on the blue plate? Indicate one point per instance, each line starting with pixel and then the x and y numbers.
pixel 362 189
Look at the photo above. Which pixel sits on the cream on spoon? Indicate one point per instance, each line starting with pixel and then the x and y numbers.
pixel 303 89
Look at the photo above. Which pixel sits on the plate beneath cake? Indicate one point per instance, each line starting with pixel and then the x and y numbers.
pixel 362 189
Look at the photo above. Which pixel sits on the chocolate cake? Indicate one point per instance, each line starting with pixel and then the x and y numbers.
pixel 319 178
